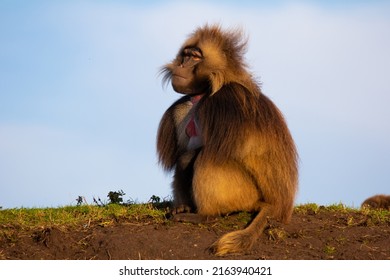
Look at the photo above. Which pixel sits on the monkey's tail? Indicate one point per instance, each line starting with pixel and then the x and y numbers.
pixel 240 241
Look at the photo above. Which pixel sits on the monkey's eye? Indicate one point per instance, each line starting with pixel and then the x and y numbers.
pixel 194 53
pixel 190 56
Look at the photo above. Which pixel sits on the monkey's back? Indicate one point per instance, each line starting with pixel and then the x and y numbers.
pixel 245 126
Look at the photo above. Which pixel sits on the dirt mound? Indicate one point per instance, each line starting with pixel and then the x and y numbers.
pixel 322 234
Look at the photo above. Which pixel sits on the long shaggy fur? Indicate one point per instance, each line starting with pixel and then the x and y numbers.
pixel 248 159
pixel 379 201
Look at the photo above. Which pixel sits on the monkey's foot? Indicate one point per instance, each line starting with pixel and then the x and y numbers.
pixel 193 218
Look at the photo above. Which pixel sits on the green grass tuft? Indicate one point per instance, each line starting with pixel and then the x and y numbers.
pixel 30 218
pixel 307 208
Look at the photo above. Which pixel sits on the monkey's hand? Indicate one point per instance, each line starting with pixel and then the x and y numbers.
pixel 182 208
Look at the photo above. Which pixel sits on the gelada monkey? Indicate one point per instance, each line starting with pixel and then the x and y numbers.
pixel 379 201
pixel 227 142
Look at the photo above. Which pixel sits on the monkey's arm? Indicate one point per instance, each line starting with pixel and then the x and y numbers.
pixel 167 136
pixel 167 140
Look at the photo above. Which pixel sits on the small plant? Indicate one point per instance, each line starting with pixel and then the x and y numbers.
pixel 154 199
pixel 115 197
pixel 99 202
pixel 276 234
pixel 80 200
pixel 158 203
pixel 329 249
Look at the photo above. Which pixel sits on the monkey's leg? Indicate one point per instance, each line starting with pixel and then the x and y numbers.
pixel 182 184
pixel 223 188
pixel 182 191
pixel 185 207
pixel 220 189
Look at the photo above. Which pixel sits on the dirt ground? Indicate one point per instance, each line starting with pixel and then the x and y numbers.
pixel 310 235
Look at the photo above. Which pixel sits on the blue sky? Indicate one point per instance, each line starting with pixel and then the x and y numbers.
pixel 81 99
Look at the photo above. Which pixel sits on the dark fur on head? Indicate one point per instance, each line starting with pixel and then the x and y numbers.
pixel 244 158
pixel 379 201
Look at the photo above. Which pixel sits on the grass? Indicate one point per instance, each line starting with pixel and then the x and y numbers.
pixel 377 216
pixel 313 208
pixel 85 215
pixel 330 250
pixel 73 216
pixel 373 216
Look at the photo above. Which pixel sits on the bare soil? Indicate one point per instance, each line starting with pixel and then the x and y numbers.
pixel 310 235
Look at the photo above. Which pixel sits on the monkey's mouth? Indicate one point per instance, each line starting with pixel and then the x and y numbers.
pixel 175 76
pixel 180 83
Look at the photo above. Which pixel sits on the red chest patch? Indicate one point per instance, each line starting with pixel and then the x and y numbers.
pixel 191 129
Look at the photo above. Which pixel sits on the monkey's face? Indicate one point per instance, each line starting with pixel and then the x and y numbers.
pixel 185 72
